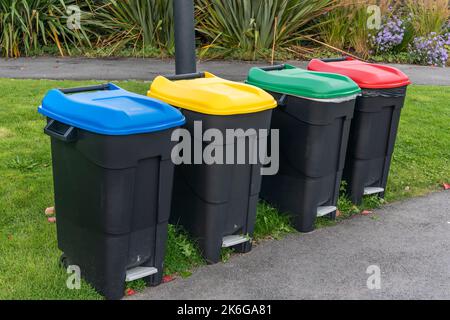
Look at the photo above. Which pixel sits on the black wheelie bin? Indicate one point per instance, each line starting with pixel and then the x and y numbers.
pixel 313 118
pixel 215 201
pixel 113 179
pixel 374 126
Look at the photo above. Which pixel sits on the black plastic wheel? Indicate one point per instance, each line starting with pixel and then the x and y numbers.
pixel 332 215
pixel 243 247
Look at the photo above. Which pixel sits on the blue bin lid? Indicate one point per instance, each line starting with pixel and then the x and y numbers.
pixel 113 111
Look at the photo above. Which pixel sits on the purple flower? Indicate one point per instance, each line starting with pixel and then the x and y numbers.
pixel 390 35
pixel 431 49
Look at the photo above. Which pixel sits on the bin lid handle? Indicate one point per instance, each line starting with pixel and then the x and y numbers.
pixel 99 87
pixel 274 67
pixel 337 59
pixel 186 76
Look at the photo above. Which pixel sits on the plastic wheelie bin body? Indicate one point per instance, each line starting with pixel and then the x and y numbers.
pixel 313 118
pixel 112 179
pixel 375 123
pixel 216 203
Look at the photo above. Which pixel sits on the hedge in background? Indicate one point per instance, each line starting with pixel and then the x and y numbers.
pixel 25 25
pixel 249 25
pixel 243 29
pixel 133 24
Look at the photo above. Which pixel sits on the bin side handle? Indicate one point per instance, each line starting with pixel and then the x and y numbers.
pixel 274 67
pixel 281 102
pixel 69 134
pixel 186 76
pixel 98 87
pixel 343 58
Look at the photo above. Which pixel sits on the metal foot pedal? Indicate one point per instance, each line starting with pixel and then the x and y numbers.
pixel 372 190
pixel 230 241
pixel 139 272
pixel 323 211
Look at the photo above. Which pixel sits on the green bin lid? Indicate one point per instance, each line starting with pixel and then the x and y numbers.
pixel 287 79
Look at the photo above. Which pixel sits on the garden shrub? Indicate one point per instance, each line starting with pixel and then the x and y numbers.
pixel 431 49
pixel 411 31
pixel 390 35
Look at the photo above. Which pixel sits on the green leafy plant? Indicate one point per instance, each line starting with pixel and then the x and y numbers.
pixel 225 254
pixel 400 57
pixel 134 24
pixel 345 27
pixel 428 15
pixel 25 25
pixel 372 202
pixel 345 205
pixel 182 253
pixel 25 164
pixel 270 223
pixel 253 26
pixel 334 28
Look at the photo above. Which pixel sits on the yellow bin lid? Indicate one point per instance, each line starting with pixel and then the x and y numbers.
pixel 211 95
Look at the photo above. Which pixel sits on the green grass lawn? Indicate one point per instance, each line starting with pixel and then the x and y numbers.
pixel 28 250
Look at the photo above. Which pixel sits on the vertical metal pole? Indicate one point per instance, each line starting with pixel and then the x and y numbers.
pixel 185 60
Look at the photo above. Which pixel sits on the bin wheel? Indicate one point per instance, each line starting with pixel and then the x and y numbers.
pixel 243 247
pixel 64 261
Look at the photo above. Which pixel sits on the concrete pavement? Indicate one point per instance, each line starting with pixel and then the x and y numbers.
pixel 409 241
pixel 147 69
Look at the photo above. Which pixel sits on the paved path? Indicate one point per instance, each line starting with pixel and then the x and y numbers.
pixel 408 240
pixel 147 69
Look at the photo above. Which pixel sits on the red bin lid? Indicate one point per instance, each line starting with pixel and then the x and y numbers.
pixel 366 75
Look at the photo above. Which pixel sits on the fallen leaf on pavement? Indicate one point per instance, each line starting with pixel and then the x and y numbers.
pixel 168 278
pixel 185 274
pixel 130 292
pixel 366 212
pixel 49 211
